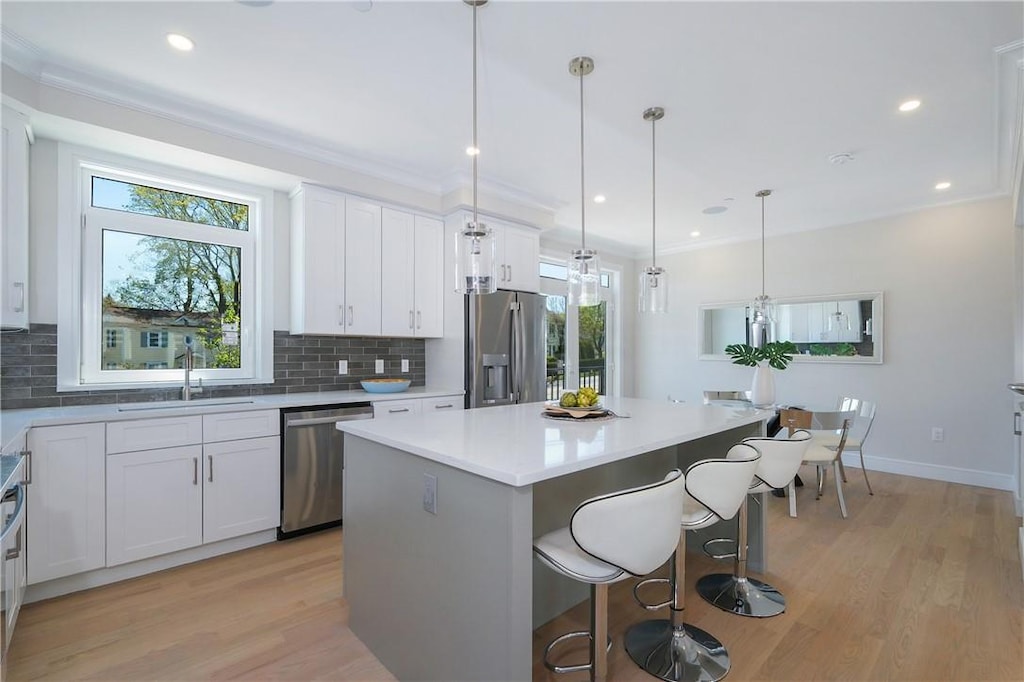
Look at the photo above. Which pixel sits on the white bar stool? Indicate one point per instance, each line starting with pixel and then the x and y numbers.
pixel 610 538
pixel 671 649
pixel 738 593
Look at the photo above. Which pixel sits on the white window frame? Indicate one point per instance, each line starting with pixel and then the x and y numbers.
pixel 80 339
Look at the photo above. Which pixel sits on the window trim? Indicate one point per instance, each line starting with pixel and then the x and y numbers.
pixel 77 243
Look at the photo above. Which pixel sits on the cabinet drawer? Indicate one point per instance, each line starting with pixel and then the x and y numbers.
pixel 395 408
pixel 149 434
pixel 449 403
pixel 238 425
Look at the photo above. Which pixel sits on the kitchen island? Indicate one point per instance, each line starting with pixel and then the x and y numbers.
pixel 453 592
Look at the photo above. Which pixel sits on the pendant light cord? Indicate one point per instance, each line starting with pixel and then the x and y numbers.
pixel 583 193
pixel 762 246
pixel 654 189
pixel 476 148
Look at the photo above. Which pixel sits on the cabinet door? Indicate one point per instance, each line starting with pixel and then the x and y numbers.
pixel 522 252
pixel 399 274
pixel 429 248
pixel 154 503
pixel 66 511
pixel 14 259
pixel 317 262
pixel 362 268
pixel 241 487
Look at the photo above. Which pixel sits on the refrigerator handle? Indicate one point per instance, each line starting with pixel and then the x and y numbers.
pixel 521 362
pixel 513 377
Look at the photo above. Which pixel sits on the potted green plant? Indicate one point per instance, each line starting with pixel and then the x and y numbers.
pixel 774 355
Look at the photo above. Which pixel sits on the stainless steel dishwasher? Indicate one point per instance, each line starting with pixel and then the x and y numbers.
pixel 312 462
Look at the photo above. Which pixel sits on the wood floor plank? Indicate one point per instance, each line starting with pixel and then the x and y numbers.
pixel 921 582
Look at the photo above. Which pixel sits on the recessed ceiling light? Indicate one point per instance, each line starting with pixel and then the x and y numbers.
pixel 600 199
pixel 472 151
pixel 695 233
pixel 712 210
pixel 180 42
pixel 943 185
pixel 910 105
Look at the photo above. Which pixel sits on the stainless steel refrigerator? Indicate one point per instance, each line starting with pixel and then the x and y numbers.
pixel 505 351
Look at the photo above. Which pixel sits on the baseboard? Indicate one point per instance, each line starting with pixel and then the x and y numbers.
pixel 1020 544
pixel 105 576
pixel 935 472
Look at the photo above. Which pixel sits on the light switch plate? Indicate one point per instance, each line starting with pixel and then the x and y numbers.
pixel 405 365
pixel 342 366
pixel 378 366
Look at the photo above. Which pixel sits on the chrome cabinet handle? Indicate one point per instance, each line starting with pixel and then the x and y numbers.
pixel 341 315
pixel 14 552
pixel 195 471
pixel 509 273
pixel 351 315
pixel 503 272
pixel 209 476
pixel 1016 424
pixel 443 407
pixel 410 319
pixel 19 288
pixel 28 466
pixel 419 319
pixel 401 409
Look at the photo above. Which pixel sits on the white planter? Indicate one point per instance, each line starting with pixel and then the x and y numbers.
pixel 762 391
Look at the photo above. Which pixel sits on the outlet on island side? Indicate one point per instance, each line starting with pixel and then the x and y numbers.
pixel 430 493
pixel 378 366
pixel 938 434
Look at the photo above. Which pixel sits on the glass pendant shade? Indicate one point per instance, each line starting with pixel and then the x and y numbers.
pixel 838 321
pixel 584 278
pixel 762 321
pixel 474 259
pixel 653 290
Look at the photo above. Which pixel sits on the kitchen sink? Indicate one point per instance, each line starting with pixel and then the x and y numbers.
pixel 1016 388
pixel 178 404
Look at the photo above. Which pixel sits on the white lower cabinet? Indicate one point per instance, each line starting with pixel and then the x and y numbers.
pixel 154 503
pixel 241 487
pixel 66 513
pixel 396 408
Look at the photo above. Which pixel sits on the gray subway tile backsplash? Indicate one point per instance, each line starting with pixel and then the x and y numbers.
pixel 28 369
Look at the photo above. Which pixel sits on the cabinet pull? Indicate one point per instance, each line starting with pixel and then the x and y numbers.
pixel 443 407
pixel 19 289
pixel 419 319
pixel 410 319
pixel 195 471
pixel 14 552
pixel 341 315
pixel 510 273
pixel 209 476
pixel 400 409
pixel 503 273
pixel 28 466
pixel 351 315
pixel 1016 424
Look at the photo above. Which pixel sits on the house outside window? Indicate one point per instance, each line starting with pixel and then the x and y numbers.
pixel 166 257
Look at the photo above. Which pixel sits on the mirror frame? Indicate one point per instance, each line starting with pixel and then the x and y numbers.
pixel 877 327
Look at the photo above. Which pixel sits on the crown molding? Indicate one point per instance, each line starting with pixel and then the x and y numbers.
pixel 21 55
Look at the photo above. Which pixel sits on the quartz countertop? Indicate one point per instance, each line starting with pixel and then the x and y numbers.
pixel 515 445
pixel 15 422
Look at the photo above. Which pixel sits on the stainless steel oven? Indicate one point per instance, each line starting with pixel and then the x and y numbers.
pixel 312 460
pixel 12 551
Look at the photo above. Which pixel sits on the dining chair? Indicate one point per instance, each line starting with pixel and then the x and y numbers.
pixel 859 430
pixel 821 455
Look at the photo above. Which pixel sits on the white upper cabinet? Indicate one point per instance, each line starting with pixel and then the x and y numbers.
pixel 412 266
pixel 362 268
pixel 317 262
pixel 518 257
pixel 14 231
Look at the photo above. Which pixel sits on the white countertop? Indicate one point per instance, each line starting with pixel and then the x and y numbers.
pixel 14 422
pixel 516 446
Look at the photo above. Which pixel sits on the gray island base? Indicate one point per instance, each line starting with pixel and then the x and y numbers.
pixel 456 594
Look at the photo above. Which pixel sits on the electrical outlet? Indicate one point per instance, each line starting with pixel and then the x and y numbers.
pixel 938 435
pixel 430 493
pixel 342 366
pixel 405 365
pixel 378 366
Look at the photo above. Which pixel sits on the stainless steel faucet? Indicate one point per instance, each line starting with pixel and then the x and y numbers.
pixel 187 362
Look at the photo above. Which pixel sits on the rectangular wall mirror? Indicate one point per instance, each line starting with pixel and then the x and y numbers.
pixel 836 328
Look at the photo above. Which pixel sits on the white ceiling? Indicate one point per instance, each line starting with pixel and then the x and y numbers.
pixel 757 95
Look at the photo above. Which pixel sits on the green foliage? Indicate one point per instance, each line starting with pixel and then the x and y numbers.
pixel 592 331
pixel 777 353
pixel 844 349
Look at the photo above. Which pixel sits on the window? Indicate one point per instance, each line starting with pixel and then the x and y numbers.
pixel 167 258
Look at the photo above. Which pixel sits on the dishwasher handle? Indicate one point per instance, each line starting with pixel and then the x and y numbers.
pixel 328 420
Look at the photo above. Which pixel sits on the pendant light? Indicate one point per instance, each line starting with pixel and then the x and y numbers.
pixel 838 321
pixel 474 242
pixel 762 317
pixel 653 280
pixel 584 267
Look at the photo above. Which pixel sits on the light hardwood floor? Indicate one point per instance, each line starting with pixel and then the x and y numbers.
pixel 922 582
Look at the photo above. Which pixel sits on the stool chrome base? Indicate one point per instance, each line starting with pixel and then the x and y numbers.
pixel 684 655
pixel 742 596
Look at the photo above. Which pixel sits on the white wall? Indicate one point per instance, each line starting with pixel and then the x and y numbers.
pixel 948 275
